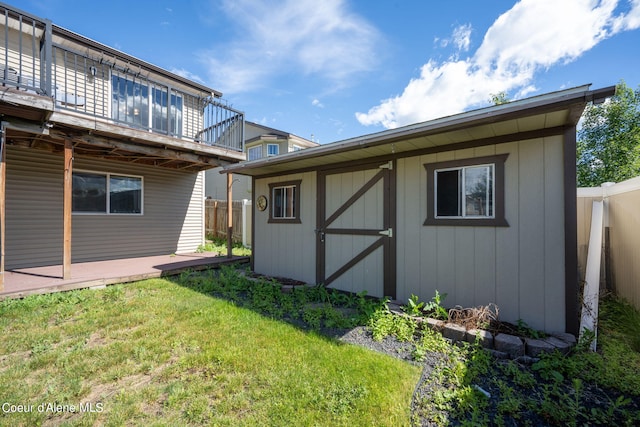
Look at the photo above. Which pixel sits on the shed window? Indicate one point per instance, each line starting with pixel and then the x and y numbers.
pixel 102 193
pixel 466 192
pixel 285 202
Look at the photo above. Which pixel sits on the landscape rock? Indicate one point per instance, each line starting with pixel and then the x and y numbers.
pixel 435 324
pixel 566 337
pixel 509 344
pixel 535 347
pixel 561 345
pixel 485 338
pixel 454 332
pixel 499 354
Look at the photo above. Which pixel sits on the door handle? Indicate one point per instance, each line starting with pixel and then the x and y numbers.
pixel 320 234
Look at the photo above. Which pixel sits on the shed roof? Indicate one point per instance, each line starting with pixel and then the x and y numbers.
pixel 547 114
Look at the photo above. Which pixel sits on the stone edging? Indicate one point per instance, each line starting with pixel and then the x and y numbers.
pixel 502 346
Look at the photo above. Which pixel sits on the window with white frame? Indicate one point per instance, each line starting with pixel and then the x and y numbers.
pixel 285 202
pixel 254 153
pixel 105 193
pixel 466 192
pixel 273 149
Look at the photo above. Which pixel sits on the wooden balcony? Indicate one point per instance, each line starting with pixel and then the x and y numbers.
pixel 57 86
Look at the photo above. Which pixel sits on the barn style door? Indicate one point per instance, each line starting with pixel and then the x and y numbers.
pixel 355 244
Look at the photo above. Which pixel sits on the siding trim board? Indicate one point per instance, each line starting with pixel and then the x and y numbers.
pixel 572 277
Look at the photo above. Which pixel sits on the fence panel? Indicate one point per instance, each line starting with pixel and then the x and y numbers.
pixel 622 234
pixel 215 222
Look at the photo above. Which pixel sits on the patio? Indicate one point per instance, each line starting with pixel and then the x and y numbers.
pixel 19 283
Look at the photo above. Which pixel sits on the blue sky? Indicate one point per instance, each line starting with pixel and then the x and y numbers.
pixel 336 69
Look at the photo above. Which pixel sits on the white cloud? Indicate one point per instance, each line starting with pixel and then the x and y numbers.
pixel 531 36
pixel 462 37
pixel 317 103
pixel 304 36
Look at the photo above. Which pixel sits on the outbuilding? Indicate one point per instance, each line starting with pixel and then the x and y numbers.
pixel 480 206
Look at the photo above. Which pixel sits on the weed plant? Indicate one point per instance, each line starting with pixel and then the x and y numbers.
pixel 219 246
pixel 465 385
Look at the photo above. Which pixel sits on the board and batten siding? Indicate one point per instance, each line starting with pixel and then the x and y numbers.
pixel 520 268
pixel 287 250
pixel 172 220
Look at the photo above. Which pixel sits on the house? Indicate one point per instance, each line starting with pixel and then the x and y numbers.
pixel 480 206
pixel 260 141
pixel 102 154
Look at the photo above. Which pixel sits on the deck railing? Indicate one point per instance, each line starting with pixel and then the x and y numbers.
pixel 86 78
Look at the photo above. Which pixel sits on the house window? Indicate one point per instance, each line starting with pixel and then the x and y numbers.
pixel 273 150
pixel 130 101
pixel 166 112
pixel 466 192
pixel 296 148
pixel 130 104
pixel 254 153
pixel 103 193
pixel 285 202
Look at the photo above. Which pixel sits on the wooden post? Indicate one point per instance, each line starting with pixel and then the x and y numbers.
pixel 215 219
pixel 67 206
pixel 3 176
pixel 229 215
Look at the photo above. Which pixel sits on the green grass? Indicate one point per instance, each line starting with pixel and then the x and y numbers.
pixel 162 352
pixel 220 246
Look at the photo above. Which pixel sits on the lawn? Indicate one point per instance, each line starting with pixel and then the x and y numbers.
pixel 166 352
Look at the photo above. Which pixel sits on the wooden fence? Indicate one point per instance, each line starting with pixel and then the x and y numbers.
pixel 621 248
pixel 215 220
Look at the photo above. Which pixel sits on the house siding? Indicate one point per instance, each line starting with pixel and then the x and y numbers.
pixel 171 222
pixel 519 268
pixel 287 250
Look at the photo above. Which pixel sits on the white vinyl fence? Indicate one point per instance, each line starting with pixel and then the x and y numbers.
pixel 621 243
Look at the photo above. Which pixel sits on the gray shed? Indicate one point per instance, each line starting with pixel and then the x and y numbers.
pixel 480 206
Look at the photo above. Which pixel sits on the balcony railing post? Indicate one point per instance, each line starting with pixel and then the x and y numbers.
pixel 46 61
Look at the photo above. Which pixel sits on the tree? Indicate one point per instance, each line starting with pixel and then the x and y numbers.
pixel 499 98
pixel 609 139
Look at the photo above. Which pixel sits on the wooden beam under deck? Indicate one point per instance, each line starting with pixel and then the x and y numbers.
pixel 67 207
pixel 229 215
pixel 3 176
pixel 88 143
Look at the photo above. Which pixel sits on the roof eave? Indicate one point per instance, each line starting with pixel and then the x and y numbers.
pixel 554 101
